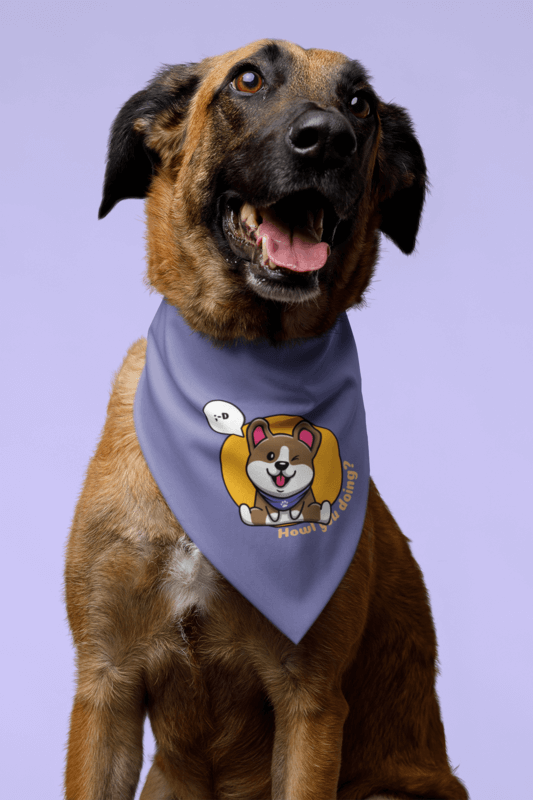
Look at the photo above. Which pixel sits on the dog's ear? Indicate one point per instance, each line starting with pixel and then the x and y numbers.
pixel 130 162
pixel 258 431
pixel 309 435
pixel 401 177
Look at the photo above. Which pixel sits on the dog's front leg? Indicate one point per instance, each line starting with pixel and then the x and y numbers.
pixel 307 743
pixel 105 743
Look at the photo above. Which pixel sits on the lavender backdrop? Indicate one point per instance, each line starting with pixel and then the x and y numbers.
pixel 445 342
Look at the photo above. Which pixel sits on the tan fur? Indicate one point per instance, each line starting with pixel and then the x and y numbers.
pixel 238 711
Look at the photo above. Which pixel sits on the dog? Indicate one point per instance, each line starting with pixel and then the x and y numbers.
pixel 281 469
pixel 295 142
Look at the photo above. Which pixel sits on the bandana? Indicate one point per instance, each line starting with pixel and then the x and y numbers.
pixel 261 453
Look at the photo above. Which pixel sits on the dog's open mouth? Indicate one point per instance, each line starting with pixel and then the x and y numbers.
pixel 283 246
pixel 281 480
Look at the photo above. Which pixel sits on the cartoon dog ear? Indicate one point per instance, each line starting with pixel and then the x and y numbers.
pixel 130 162
pixel 258 431
pixel 401 177
pixel 309 435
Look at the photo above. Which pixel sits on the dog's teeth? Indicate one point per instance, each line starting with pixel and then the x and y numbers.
pixel 264 254
pixel 249 216
pixel 315 223
pixel 319 224
pixel 264 249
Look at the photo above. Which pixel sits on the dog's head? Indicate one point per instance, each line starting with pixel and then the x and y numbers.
pixel 268 172
pixel 281 464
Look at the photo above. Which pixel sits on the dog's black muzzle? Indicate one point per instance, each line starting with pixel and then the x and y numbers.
pixel 303 172
pixel 323 138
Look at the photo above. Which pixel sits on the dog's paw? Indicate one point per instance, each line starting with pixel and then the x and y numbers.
pixel 295 514
pixel 246 514
pixel 325 512
pixel 273 517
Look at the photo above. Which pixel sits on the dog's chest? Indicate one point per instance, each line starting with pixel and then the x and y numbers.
pixel 190 581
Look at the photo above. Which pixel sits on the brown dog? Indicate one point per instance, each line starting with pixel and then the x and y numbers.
pixel 297 139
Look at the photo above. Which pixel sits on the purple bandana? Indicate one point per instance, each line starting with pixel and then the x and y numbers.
pixel 261 453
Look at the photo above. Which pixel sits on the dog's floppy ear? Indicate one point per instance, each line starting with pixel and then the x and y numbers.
pixel 401 177
pixel 130 162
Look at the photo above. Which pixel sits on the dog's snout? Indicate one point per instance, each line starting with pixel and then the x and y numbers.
pixel 320 134
pixel 281 465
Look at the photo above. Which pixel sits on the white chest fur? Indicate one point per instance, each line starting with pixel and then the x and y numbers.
pixel 190 579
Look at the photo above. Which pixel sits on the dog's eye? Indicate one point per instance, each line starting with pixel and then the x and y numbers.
pixel 248 82
pixel 271 456
pixel 360 106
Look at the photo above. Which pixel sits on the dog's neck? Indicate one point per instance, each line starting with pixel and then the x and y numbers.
pixel 223 427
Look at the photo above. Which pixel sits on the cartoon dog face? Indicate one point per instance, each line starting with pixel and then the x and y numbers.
pixel 281 464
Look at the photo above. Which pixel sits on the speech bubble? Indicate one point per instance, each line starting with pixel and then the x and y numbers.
pixel 224 417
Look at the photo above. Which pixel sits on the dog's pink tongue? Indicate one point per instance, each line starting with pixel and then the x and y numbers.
pixel 280 480
pixel 296 251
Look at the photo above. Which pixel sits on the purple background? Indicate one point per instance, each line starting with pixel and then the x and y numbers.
pixel 444 344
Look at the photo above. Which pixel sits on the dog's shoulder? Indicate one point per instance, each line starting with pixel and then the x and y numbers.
pixel 127 377
pixel 120 499
pixel 123 532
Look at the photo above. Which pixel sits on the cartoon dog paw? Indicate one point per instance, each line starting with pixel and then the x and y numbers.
pixel 325 512
pixel 246 514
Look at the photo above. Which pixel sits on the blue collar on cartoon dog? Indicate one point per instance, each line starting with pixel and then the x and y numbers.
pixel 281 503
pixel 222 427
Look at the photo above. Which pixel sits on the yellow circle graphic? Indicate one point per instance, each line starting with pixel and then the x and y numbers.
pixel 327 463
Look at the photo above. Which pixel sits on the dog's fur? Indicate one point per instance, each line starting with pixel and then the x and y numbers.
pixel 238 711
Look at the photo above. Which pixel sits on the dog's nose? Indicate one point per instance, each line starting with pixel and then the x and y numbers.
pixel 320 134
pixel 281 465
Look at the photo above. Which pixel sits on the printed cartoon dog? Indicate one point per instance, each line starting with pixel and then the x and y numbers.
pixel 281 468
